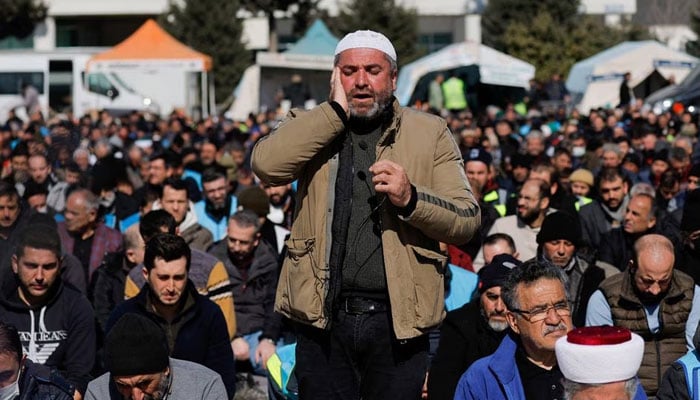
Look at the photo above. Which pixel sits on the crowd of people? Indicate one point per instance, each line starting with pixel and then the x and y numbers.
pixel 399 254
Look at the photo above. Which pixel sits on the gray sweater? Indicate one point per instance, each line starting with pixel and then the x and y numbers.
pixel 191 381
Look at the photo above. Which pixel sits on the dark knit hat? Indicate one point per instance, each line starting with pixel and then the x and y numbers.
pixel 135 346
pixel 496 272
pixel 254 199
pixel 478 154
pixel 690 222
pixel 560 225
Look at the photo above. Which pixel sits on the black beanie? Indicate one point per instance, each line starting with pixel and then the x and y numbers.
pixel 254 199
pixel 560 225
pixel 690 222
pixel 136 345
pixel 496 272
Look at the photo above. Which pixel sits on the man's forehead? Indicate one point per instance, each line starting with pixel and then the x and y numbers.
pixel 362 57
pixel 540 286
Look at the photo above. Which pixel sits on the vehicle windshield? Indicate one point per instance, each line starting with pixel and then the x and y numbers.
pixel 122 83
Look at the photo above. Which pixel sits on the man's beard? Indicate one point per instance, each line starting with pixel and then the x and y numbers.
pixel 381 103
pixel 497 326
pixel 530 215
pixel 649 299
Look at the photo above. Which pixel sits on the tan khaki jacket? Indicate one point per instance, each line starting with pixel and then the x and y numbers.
pixel 446 211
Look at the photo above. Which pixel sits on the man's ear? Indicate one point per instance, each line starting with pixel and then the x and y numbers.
pixel 544 203
pixel 129 253
pixel 15 265
pixel 144 271
pixel 512 322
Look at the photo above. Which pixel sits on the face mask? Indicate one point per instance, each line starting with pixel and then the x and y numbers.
pixel 578 151
pixel 11 391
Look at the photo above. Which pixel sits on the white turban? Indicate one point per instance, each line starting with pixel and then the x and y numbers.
pixel 599 354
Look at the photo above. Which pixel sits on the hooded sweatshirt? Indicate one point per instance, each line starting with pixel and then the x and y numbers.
pixel 60 333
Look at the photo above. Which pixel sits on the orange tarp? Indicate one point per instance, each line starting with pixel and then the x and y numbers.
pixel 151 42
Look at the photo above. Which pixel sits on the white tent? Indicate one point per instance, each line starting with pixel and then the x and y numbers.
pixel 651 64
pixel 311 57
pixel 495 68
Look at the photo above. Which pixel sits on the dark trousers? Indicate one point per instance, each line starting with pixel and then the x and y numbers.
pixel 359 358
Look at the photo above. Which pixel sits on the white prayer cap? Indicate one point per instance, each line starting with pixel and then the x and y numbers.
pixel 599 354
pixel 366 40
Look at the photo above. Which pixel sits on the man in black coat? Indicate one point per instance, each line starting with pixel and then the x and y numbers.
pixel 472 331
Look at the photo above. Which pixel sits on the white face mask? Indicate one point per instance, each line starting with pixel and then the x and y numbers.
pixel 578 151
pixel 11 391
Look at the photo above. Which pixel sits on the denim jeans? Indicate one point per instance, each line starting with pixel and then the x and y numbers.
pixel 359 358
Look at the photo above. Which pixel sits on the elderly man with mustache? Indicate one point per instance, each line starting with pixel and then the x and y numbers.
pixel 525 365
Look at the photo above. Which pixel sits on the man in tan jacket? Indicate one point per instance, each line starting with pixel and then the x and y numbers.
pixel 379 186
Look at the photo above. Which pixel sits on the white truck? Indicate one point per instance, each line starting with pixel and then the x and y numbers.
pixel 60 79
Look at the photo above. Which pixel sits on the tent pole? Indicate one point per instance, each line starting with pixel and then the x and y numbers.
pixel 203 96
pixel 212 97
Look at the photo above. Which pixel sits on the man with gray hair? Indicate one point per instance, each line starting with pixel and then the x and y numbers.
pixel 83 234
pixel 525 365
pixel 653 300
pixel 380 186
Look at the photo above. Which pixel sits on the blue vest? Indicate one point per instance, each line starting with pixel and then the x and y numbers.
pixel 217 229
pixel 691 367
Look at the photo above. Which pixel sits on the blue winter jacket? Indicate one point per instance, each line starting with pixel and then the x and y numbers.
pixel 496 377
pixel 493 377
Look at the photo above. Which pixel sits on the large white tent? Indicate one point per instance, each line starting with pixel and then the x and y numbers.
pixel 311 57
pixel 495 68
pixel 652 65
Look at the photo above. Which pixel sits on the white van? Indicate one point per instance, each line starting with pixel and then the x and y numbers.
pixel 63 85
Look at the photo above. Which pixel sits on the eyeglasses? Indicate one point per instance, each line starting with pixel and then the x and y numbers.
pixel 538 314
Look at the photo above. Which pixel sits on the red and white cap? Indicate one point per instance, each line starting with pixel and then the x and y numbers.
pixel 599 354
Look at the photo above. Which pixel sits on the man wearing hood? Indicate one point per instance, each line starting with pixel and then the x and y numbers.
pixel 54 320
pixel 174 200
pixel 653 300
